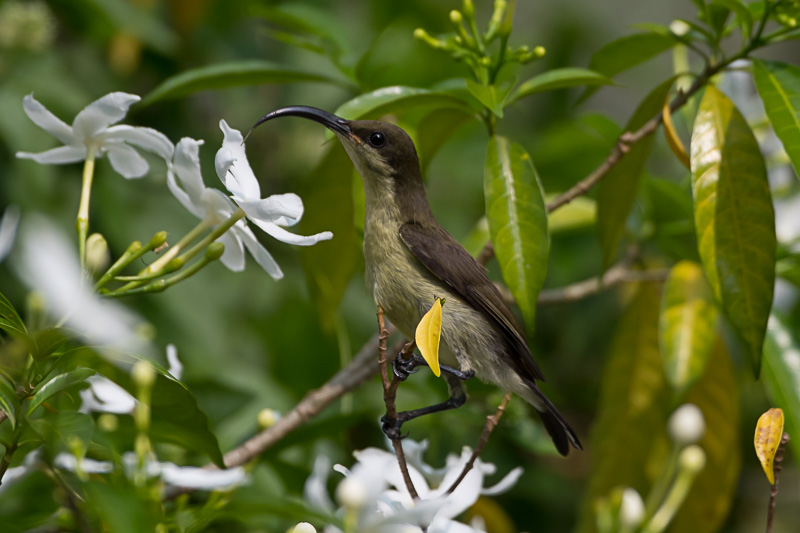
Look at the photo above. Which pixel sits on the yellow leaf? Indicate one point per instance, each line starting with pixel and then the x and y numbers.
pixel 674 142
pixel 429 330
pixel 769 431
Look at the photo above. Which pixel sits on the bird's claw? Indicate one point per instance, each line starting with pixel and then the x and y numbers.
pixel 402 367
pixel 391 428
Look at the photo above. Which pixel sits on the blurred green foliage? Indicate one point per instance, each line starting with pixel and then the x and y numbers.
pixel 249 343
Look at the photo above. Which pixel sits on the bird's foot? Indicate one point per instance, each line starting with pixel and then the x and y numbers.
pixel 404 367
pixel 459 374
pixel 391 428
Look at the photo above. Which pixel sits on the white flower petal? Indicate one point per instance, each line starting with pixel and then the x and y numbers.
pixel 105 396
pixel 233 168
pixel 61 155
pixel 48 263
pixel 197 209
pixel 126 161
pixel 218 207
pixel 175 365
pixel 186 165
pixel 46 120
pixel 233 256
pixel 259 253
pixel 282 209
pixel 291 238
pixel 202 478
pixel 315 490
pixel 146 138
pixel 67 461
pixel 467 492
pixel 101 113
pixel 451 526
pixel 508 481
pixel 8 230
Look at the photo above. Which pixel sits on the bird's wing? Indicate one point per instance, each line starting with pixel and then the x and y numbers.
pixel 444 256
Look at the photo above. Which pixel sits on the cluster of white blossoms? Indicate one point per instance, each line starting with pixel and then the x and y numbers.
pixel 374 498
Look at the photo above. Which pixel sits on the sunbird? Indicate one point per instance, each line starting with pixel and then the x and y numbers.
pixel 410 260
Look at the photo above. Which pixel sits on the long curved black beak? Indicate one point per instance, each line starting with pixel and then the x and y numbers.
pixel 329 120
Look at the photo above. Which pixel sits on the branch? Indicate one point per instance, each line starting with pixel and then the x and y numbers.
pixel 389 396
pixel 773 493
pixel 613 276
pixel 360 369
pixel 491 423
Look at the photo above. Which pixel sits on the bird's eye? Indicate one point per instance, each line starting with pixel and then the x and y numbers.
pixel 377 139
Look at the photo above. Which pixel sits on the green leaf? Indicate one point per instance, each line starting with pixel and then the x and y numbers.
pixel 782 376
pixel 627 52
pixel 328 199
pixel 57 384
pixel 743 16
pixel 233 74
pixel 709 501
pixel 493 97
pixel 10 315
pixel 435 129
pixel 617 190
pixel 734 218
pixel 9 401
pixel 517 222
pixel 579 213
pixel 779 87
pixel 62 430
pixel 141 22
pixel 121 507
pixel 28 502
pixel 559 78
pixel 178 419
pixel 49 340
pixel 629 434
pixel 686 326
pixel 394 99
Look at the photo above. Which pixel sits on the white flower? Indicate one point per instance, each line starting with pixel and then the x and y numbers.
pixel 105 396
pixel 267 213
pixel 175 366
pixel 185 181
pixel 375 489
pixel 8 230
pixel 190 477
pixel 303 527
pixel 631 512
pixel 92 128
pixel 47 264
pixel 686 425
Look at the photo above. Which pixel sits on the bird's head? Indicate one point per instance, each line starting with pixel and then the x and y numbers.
pixel 383 153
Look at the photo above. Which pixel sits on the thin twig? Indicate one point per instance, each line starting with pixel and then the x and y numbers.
pixel 776 468
pixel 389 396
pixel 613 276
pixel 491 423
pixel 360 369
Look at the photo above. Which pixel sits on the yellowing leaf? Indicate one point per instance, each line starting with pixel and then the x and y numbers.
pixel 673 140
pixel 769 431
pixel 429 330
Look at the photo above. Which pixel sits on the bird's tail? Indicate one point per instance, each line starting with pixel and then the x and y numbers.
pixel 558 428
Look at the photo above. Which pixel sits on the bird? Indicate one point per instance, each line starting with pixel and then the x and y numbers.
pixel 410 260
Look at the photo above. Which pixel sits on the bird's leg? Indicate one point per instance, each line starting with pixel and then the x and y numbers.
pixel 404 367
pixel 391 427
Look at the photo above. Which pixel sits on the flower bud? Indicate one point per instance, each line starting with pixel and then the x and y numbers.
pixel 107 422
pixel 686 425
pixel 303 527
pixel 215 251
pixel 97 256
pixel 423 36
pixel 143 374
pixel 351 493
pixel 267 418
pixel 631 512
pixel 469 9
pixel 539 51
pixel 679 27
pixel 693 459
pixel 158 239
pixel 456 18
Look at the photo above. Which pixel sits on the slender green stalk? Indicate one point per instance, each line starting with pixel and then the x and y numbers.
pixel 185 241
pixel 213 236
pixel 690 462
pixel 82 222
pixel 662 484
pixel 134 252
pixel 214 252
